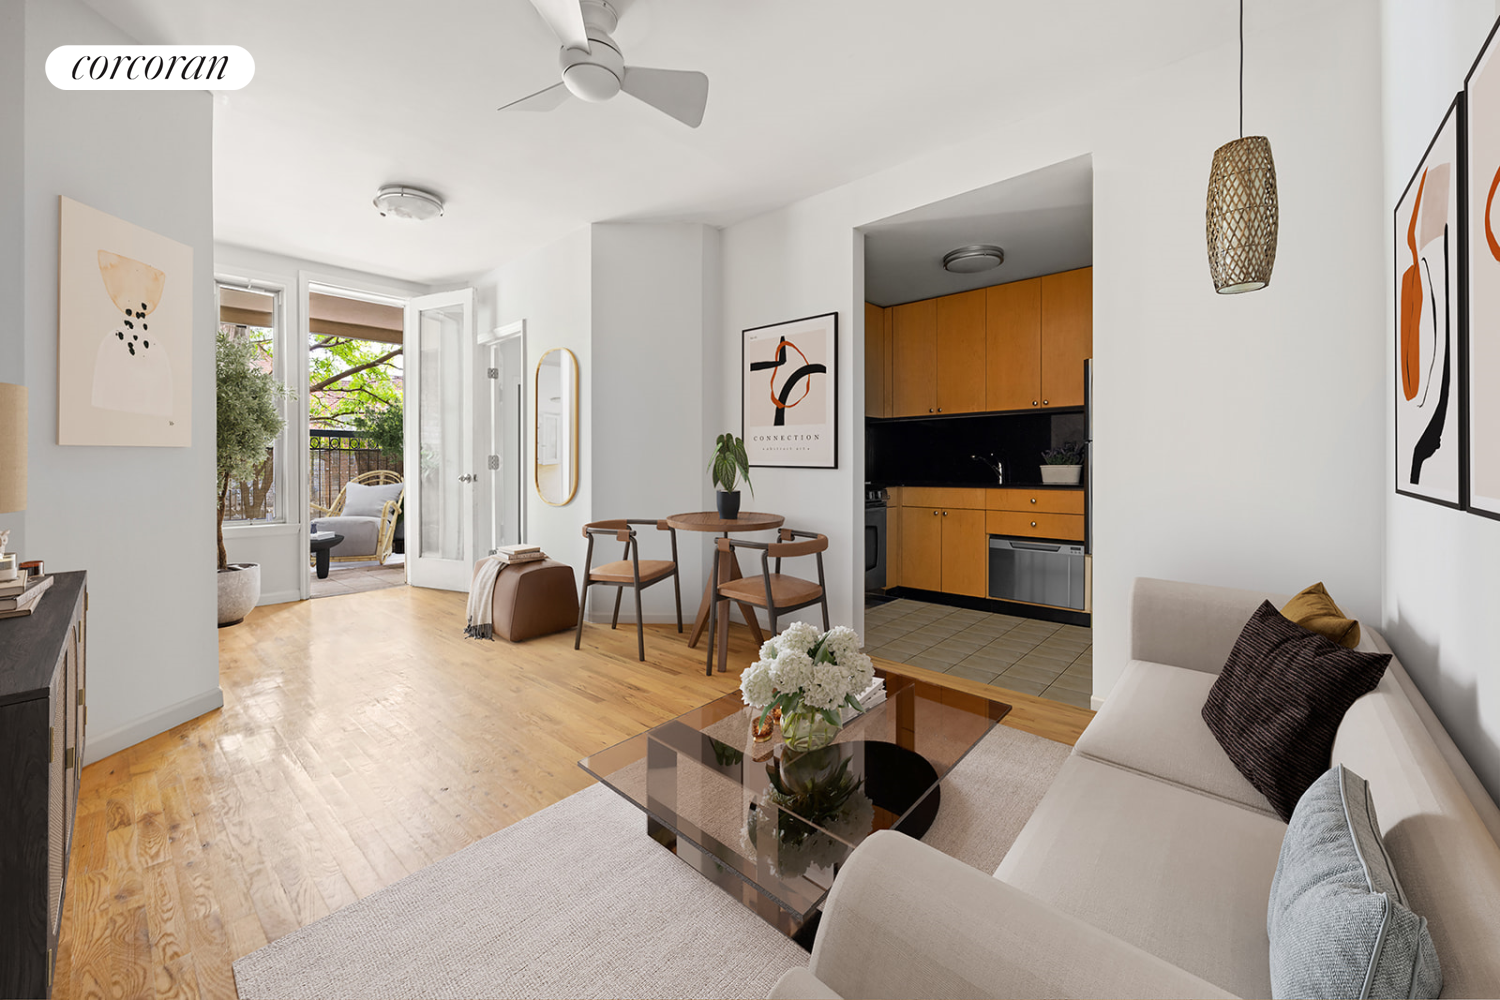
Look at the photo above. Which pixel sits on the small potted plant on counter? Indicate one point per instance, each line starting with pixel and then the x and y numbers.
pixel 1063 466
pixel 729 464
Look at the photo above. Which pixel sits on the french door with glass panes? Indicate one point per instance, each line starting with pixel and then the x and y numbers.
pixel 440 469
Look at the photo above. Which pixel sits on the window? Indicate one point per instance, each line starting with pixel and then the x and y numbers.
pixel 254 314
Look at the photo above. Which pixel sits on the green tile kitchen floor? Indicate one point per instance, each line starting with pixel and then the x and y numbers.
pixel 1020 654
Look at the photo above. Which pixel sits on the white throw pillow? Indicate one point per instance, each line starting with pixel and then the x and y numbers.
pixel 367 501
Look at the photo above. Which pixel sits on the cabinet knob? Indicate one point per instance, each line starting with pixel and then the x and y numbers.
pixel 940 409
pixel 1033 402
pixel 945 513
pixel 1044 402
pixel 1033 524
pixel 929 409
pixel 934 513
pixel 1033 499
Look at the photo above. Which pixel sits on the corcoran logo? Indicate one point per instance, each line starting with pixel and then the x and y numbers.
pixel 149 67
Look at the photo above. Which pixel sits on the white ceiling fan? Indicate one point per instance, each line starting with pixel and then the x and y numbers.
pixel 593 68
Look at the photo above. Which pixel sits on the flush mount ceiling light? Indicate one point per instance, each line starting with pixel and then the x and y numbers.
pixel 408 202
pixel 971 259
pixel 1242 216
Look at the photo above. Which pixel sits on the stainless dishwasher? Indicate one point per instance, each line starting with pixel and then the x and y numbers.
pixel 1037 572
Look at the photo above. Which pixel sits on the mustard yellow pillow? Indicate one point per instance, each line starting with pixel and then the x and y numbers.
pixel 1315 611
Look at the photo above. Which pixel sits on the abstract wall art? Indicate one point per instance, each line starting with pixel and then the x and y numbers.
pixel 124 333
pixel 1482 161
pixel 1429 381
pixel 789 393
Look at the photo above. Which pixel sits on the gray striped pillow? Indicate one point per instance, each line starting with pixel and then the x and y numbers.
pixel 1338 920
pixel 1278 702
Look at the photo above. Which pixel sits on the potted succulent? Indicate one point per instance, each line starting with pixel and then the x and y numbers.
pixel 248 425
pixel 1063 466
pixel 728 465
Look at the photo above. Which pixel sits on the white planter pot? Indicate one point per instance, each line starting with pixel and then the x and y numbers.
pixel 239 591
pixel 1062 475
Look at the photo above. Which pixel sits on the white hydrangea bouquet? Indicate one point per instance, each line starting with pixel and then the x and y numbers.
pixel 809 675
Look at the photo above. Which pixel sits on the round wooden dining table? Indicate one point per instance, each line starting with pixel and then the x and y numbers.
pixel 729 569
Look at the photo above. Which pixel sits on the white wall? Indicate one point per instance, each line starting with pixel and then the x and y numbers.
pixel 140 520
pixel 550 290
pixel 654 303
pixel 1239 438
pixel 12 214
pixel 281 549
pixel 1441 586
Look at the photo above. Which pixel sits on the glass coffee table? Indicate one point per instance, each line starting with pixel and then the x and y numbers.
pixel 773 827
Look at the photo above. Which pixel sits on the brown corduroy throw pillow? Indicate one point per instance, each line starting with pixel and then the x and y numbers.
pixel 1315 611
pixel 1278 702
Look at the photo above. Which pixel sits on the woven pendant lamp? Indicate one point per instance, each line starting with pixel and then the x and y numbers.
pixel 1242 216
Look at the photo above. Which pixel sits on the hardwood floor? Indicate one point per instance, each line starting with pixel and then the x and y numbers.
pixel 361 738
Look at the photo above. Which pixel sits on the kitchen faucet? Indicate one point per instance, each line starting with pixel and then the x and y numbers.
pixel 997 467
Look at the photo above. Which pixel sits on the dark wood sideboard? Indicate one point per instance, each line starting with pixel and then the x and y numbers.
pixel 42 720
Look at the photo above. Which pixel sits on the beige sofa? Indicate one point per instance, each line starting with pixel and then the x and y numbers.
pixel 1146 868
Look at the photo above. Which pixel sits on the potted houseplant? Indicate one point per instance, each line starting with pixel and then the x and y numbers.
pixel 728 465
pixel 1063 466
pixel 248 425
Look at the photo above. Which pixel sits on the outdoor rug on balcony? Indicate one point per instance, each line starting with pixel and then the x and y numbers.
pixel 576 901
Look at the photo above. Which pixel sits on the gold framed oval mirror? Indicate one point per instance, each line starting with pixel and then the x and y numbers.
pixel 555 444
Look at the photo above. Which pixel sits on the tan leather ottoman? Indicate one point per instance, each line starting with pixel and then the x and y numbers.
pixel 535 598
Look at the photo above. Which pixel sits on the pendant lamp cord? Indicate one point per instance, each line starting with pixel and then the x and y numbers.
pixel 1242 69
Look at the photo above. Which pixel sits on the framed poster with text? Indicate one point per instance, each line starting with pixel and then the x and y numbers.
pixel 789 393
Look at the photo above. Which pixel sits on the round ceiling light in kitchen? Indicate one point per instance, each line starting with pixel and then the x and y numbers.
pixel 971 259
pixel 408 202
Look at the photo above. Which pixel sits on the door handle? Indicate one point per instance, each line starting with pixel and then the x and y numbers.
pixel 467 477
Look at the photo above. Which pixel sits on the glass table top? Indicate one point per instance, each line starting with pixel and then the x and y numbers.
pixel 785 822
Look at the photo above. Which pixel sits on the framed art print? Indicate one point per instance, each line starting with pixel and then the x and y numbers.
pixel 1482 172
pixel 1429 380
pixel 124 333
pixel 789 393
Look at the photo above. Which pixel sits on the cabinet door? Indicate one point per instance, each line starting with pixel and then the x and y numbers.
pixel 921 548
pixel 960 352
pixel 1067 335
pixel 914 358
pixel 893 540
pixel 965 553
pixel 1013 345
pixel 875 355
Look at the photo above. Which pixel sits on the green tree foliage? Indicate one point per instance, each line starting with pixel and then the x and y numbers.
pixel 247 419
pixel 386 428
pixel 350 378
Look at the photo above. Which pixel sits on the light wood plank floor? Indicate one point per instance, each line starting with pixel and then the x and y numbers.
pixel 362 738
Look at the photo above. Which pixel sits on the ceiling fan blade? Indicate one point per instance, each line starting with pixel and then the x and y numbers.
pixel 683 94
pixel 542 100
pixel 565 18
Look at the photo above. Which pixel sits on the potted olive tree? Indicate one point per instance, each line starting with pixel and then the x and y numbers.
pixel 1063 466
pixel 729 464
pixel 248 425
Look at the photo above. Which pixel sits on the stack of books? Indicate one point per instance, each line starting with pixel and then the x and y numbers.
pixel 513 554
pixel 20 596
pixel 872 696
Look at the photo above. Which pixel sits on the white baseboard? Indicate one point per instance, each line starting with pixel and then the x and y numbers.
pixel 97 746
pixel 278 597
pixel 1096 702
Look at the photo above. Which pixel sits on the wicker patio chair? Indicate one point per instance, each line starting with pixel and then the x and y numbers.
pixel 360 542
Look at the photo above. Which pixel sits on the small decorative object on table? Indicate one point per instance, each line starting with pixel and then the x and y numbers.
pixel 809 675
pixel 1063 466
pixel 728 464
pixel 7 562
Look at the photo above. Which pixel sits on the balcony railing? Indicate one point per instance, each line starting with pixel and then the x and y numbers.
pixel 337 456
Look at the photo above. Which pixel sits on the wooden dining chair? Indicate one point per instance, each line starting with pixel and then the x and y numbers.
pixel 631 571
pixel 777 593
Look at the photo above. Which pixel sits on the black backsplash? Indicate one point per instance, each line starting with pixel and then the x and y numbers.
pixel 937 452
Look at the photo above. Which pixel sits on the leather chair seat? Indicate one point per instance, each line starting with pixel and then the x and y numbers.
pixel 785 590
pixel 623 572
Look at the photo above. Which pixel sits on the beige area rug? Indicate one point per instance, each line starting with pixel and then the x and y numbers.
pixel 576 901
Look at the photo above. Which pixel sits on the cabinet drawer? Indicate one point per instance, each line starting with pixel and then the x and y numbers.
pixel 1037 525
pixel 961 498
pixel 1037 501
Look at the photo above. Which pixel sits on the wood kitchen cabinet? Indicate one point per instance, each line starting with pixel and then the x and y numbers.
pixel 960 353
pixel 944 548
pixel 877 361
pixel 1067 335
pixel 914 358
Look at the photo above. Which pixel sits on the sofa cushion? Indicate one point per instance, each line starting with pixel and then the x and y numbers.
pixel 1448 860
pixel 360 534
pixel 1152 722
pixel 1181 875
pixel 1315 611
pixel 1278 702
pixel 1338 921
pixel 368 501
